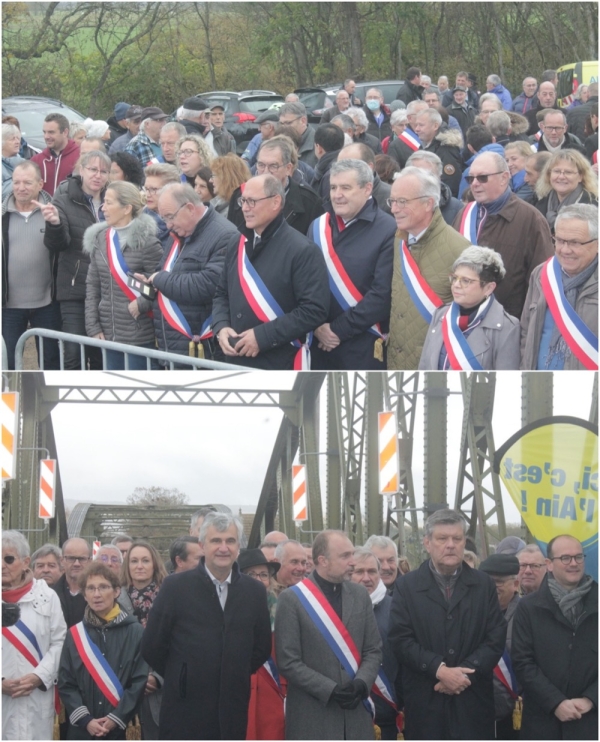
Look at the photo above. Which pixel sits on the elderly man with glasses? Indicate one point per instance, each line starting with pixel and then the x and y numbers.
pixel 532 568
pixel 75 558
pixel 555 648
pixel 499 219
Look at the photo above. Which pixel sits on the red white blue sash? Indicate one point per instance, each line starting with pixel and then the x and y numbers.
pixel 410 139
pixel 468 222
pixel 117 264
pixel 383 688
pixel 273 673
pixel 424 297
pixel 97 666
pixel 171 312
pixel 331 627
pixel 504 672
pixel 156 160
pixel 25 642
pixel 581 340
pixel 340 284
pixel 536 145
pixel 264 305
pixel 460 355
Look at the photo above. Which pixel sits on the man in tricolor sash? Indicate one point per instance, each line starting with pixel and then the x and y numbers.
pixel 273 288
pixel 555 648
pixel 559 328
pixel 403 146
pixel 328 647
pixel 501 220
pixel 425 249
pixel 448 634
pixel 208 631
pixel 357 239
pixel 504 571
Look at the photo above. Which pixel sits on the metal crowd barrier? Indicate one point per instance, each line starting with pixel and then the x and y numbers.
pixel 170 359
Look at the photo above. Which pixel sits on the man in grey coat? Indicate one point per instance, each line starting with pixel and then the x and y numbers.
pixel 324 701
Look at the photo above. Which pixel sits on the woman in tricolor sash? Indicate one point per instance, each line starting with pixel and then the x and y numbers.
pixel 102 674
pixel 125 243
pixel 474 332
pixel 33 631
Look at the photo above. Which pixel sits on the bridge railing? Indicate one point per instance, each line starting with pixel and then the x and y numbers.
pixel 169 360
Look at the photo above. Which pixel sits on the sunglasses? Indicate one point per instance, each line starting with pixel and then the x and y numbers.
pixel 481 178
pixel 9 559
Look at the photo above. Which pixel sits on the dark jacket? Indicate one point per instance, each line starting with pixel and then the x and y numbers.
pixel 293 269
pixel 193 127
pixel 553 662
pixel 306 151
pixel 408 92
pixel 116 131
pixel 577 117
pixel 73 606
pixel 365 249
pixel 379 132
pixel 206 654
pixel 585 198
pixel 381 192
pixel 56 169
pixel 119 641
pixel 192 281
pixel 446 145
pixel 469 631
pixel 330 113
pixel 523 103
pixel 223 142
pixel 373 142
pixel 302 205
pixel 571 142
pixel 503 701
pixel 400 151
pixel 320 183
pixel 449 205
pixel 384 713
pixel 66 239
pixel 531 117
pixel 465 117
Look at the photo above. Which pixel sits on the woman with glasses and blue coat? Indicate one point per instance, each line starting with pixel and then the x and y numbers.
pixel 473 333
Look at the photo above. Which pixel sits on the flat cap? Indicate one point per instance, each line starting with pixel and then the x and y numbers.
pixel 270 115
pixel 501 565
pixel 195 104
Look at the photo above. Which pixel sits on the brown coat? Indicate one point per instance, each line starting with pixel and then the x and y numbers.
pixel 434 254
pixel 522 237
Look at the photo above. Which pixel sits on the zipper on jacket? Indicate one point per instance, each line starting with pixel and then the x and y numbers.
pixel 77 264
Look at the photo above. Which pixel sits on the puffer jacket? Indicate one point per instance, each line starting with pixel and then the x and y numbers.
pixel 434 254
pixel 534 312
pixel 66 239
pixel 106 306
pixel 119 642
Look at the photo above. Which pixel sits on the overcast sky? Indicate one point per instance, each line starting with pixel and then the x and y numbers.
pixel 219 454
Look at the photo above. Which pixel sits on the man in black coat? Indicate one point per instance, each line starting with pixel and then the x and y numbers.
pixel 447 633
pixel 411 89
pixel 208 631
pixel 362 242
pixel 75 558
pixel 577 116
pixel 555 649
pixel 273 288
pixel 546 99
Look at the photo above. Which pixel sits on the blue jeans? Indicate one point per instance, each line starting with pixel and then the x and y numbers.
pixel 16 321
pixel 115 360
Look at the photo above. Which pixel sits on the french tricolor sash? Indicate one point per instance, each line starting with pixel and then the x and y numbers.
pixel 424 297
pixel 117 264
pixel 581 340
pixel 171 312
pixel 332 629
pixel 264 305
pixel 97 666
pixel 468 222
pixel 536 145
pixel 24 641
pixel 504 672
pixel 345 292
pixel 273 673
pixel 410 139
pixel 460 355
pixel 157 160
pixel 383 688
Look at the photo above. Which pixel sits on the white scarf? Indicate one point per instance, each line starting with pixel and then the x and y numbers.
pixel 379 593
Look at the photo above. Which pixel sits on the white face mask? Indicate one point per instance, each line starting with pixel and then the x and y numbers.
pixel 373 105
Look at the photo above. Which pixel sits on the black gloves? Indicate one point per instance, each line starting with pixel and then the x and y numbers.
pixel 349 695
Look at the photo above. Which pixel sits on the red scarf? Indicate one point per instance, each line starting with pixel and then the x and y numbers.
pixel 14 595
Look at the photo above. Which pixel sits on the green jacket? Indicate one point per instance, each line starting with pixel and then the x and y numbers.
pixel 434 253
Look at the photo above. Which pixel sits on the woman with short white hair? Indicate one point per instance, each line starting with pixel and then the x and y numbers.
pixel 11 144
pixel 473 333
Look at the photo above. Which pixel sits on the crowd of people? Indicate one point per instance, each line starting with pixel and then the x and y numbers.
pixel 291 640
pixel 449 230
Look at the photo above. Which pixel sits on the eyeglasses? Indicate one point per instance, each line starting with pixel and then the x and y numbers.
pixel 95 171
pixel 401 202
pixel 169 218
pixel 73 559
pixel 554 128
pixel 251 202
pixel 567 173
pixel 289 121
pixel 481 178
pixel 189 152
pixel 9 559
pixel 463 282
pixel 259 575
pixel 566 559
pixel 532 567
pixel 273 168
pixel 112 560
pixel 98 589
pixel 152 191
pixel 573 244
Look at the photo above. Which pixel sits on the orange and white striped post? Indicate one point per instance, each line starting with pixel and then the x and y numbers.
pixel 9 416
pixel 388 453
pixel 95 546
pixel 47 506
pixel 299 509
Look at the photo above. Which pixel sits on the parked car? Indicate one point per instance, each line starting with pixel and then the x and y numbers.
pixel 389 88
pixel 31 110
pixel 241 110
pixel 317 100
